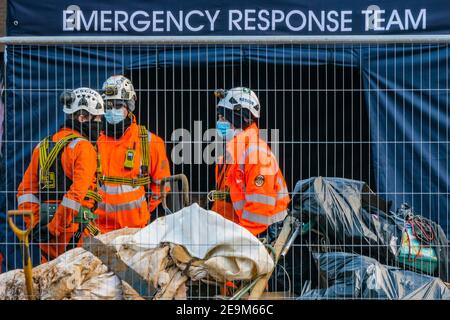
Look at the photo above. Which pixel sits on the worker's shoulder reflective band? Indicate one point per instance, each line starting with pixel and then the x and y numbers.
pixel 37 146
pixel 260 198
pixel 239 205
pixel 118 189
pixel 251 149
pixel 258 218
pixel 283 192
pixel 71 204
pixel 29 197
pixel 136 204
pixel 74 142
pixel 280 181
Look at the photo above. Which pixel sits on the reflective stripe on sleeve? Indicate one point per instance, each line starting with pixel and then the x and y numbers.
pixel 260 198
pixel 74 142
pixel 279 216
pixel 29 197
pixel 258 218
pixel 71 204
pixel 239 205
pixel 283 193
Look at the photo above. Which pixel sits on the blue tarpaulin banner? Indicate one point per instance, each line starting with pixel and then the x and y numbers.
pixel 406 86
pixel 406 95
pixel 230 18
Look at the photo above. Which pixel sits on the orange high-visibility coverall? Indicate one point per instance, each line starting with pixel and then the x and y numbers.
pixel 257 189
pixel 124 205
pixel 78 160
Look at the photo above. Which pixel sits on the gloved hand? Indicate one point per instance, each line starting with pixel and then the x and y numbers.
pixel 41 234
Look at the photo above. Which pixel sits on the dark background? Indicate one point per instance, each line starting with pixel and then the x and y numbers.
pixel 319 110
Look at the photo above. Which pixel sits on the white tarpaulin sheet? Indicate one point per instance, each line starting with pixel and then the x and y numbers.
pixel 229 251
pixel 191 244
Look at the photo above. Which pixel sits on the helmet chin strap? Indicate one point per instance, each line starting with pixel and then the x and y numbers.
pixel 247 123
pixel 131 105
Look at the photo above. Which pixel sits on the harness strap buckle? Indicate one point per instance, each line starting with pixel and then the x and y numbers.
pixel 214 195
pixel 144 170
pixel 210 196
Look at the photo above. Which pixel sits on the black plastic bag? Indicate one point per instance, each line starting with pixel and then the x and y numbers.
pixel 295 270
pixel 349 217
pixel 352 276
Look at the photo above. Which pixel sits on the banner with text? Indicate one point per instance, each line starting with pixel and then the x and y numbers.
pixel 229 18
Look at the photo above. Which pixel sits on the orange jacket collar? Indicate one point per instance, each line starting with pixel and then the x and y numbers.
pixel 65 132
pixel 251 130
pixel 237 146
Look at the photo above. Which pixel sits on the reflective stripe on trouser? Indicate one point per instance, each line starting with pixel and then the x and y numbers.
pixel 29 197
pixel 118 189
pixel 108 208
pixel 266 220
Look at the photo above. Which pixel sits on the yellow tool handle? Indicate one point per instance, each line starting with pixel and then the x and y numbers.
pixel 23 238
pixel 28 270
pixel 21 234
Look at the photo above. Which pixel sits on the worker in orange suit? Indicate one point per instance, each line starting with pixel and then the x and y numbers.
pixel 131 160
pixel 59 184
pixel 250 187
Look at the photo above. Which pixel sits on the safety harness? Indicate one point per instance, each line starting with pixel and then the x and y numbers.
pixel 52 180
pixel 53 185
pixel 224 193
pixel 215 195
pixel 144 177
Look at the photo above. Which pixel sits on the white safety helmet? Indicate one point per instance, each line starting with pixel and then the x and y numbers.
pixel 240 96
pixel 82 99
pixel 119 88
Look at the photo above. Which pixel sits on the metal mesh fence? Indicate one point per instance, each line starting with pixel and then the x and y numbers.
pixel 345 112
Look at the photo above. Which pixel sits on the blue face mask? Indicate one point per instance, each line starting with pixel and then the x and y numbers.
pixel 224 130
pixel 114 116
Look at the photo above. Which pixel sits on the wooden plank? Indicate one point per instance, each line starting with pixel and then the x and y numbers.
pixel 110 257
pixel 260 286
pixel 278 295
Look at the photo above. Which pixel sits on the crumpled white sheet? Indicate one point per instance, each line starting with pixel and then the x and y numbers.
pixel 75 275
pixel 191 244
pixel 229 251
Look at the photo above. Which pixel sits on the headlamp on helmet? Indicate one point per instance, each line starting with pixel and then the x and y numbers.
pixel 110 91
